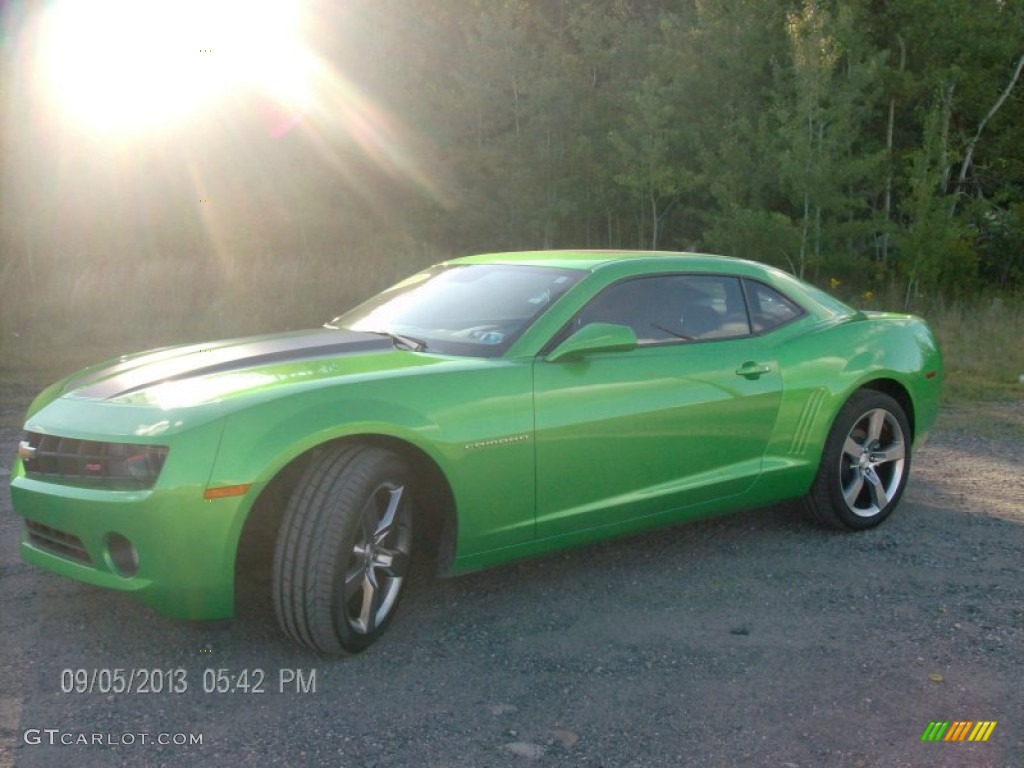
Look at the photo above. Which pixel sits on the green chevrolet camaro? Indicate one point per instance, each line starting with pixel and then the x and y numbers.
pixel 485 409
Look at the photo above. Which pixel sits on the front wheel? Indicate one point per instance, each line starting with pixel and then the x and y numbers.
pixel 344 549
pixel 865 464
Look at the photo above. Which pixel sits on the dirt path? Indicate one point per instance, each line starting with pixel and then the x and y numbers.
pixel 755 640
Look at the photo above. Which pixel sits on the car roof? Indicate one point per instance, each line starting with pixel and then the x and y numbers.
pixel 594 259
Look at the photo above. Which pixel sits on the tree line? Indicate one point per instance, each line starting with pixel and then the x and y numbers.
pixel 876 141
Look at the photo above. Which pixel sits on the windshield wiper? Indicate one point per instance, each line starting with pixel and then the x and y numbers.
pixel 416 345
pixel 400 339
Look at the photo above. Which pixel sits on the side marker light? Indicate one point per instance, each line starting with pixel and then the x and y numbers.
pixel 226 491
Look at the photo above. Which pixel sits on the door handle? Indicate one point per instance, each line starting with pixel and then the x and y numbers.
pixel 752 370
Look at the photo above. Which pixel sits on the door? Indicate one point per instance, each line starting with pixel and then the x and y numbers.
pixel 682 419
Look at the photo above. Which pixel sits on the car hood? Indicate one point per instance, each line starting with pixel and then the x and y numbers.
pixel 118 379
pixel 203 373
pixel 176 389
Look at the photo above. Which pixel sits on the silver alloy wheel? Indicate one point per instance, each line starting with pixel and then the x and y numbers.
pixel 379 560
pixel 872 463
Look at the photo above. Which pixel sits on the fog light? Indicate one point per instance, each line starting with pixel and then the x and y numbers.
pixel 122 555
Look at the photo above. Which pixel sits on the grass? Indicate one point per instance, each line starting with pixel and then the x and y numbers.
pixel 69 313
pixel 982 344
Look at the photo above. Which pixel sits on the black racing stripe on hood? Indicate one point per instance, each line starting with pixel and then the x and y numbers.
pixel 142 373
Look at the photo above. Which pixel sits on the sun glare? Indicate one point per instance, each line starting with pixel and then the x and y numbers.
pixel 130 64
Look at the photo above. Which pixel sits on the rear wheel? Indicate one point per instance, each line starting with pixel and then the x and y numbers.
pixel 865 464
pixel 344 548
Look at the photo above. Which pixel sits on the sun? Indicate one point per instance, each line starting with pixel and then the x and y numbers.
pixel 120 65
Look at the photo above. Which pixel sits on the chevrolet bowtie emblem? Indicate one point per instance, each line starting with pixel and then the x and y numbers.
pixel 25 451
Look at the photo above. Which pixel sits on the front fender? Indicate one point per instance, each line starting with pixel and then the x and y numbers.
pixel 258 443
pixel 476 427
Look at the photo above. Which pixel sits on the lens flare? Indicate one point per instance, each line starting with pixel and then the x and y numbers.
pixel 128 64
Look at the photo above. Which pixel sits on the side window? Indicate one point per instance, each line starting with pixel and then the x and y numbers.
pixel 768 308
pixel 669 308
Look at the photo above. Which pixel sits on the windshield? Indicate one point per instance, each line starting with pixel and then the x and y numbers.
pixel 475 310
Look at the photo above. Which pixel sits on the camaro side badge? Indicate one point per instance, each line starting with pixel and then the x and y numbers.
pixel 497 441
pixel 25 451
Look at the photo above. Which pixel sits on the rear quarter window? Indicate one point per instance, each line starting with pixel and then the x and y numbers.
pixel 768 308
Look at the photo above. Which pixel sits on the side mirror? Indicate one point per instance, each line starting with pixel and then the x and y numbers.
pixel 593 338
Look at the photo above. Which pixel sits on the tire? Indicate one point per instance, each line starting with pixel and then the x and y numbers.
pixel 343 550
pixel 865 464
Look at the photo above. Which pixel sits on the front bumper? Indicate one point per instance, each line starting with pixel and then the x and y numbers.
pixel 185 546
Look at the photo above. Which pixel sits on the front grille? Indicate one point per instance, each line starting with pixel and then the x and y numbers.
pixel 117 466
pixel 57 542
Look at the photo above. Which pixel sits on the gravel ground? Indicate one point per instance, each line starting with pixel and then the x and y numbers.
pixel 754 640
